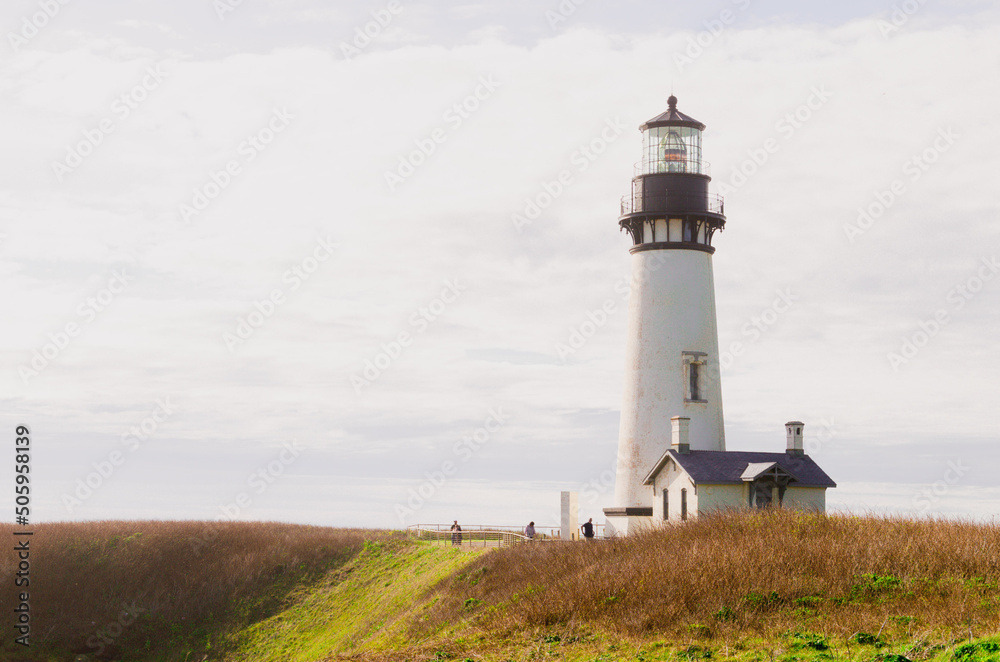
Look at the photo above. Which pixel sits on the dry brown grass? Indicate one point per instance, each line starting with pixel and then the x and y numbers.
pixel 730 578
pixel 742 575
pixel 188 582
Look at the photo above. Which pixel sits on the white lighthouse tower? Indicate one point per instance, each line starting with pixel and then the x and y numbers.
pixel 672 395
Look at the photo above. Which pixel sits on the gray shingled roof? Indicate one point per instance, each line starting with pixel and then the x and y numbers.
pixel 722 467
pixel 672 117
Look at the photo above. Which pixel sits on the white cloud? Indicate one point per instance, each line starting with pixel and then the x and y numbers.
pixel 325 176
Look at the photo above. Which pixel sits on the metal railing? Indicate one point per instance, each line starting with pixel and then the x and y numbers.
pixel 468 536
pixel 673 202
pixel 482 535
pixel 660 166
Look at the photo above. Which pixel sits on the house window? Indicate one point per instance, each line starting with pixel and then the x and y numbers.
pixel 695 364
pixel 666 505
pixel 684 504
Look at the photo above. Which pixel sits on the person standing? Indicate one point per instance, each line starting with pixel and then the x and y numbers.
pixel 456 534
pixel 588 529
pixel 529 531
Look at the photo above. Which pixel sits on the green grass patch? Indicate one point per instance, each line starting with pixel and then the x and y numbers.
pixel 353 609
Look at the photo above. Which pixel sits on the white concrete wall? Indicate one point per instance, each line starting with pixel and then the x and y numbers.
pixel 805 498
pixel 671 310
pixel 569 515
pixel 624 526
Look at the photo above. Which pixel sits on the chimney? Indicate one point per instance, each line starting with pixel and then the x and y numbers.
pixel 793 431
pixel 679 436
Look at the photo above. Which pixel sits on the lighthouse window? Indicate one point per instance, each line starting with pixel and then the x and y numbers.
pixel 694 376
pixel 689 231
pixel 671 149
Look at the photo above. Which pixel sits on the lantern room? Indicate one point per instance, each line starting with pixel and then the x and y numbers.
pixel 671 142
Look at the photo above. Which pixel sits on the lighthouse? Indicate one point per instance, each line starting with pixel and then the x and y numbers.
pixel 672 459
pixel 672 385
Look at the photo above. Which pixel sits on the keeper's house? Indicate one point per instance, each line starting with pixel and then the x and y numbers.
pixel 686 482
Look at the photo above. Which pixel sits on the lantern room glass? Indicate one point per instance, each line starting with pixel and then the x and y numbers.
pixel 671 149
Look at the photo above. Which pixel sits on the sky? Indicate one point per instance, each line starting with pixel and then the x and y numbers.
pixel 300 261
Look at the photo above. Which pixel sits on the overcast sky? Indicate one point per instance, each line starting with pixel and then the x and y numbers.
pixel 279 259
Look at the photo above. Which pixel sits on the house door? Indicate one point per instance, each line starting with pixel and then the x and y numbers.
pixel 762 493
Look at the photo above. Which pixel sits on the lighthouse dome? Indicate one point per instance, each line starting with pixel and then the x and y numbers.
pixel 672 117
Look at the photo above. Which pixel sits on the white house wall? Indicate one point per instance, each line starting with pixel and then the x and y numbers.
pixel 713 498
pixel 673 480
pixel 805 498
pixel 709 498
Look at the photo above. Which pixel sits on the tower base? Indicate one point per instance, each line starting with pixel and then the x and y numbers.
pixel 627 521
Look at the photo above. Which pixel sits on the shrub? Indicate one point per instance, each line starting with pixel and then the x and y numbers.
pixel 974 650
pixel 868 639
pixel 810 640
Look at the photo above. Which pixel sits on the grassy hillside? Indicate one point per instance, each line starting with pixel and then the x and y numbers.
pixel 164 590
pixel 369 604
pixel 759 587
pixel 750 573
